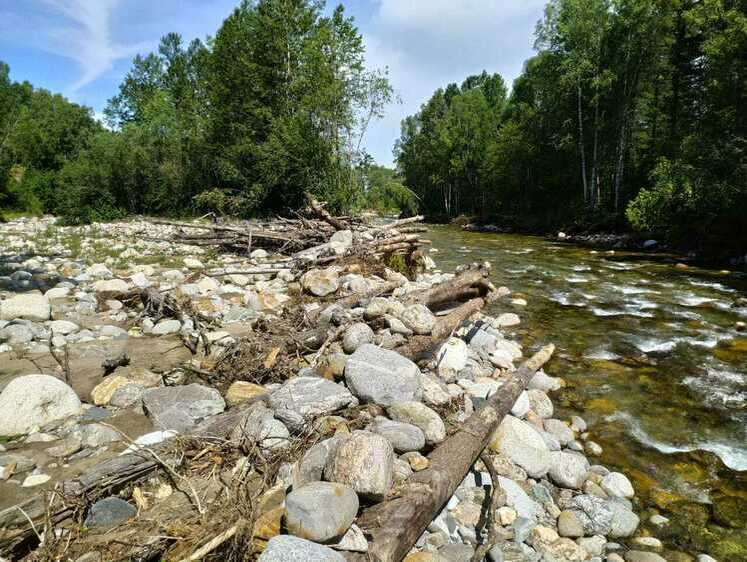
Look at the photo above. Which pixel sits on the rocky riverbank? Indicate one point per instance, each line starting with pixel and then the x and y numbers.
pixel 239 442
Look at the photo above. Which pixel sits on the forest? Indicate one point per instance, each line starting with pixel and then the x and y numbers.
pixel 630 116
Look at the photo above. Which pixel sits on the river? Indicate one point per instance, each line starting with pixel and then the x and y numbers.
pixel 653 361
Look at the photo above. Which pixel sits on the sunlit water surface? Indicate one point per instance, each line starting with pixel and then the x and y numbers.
pixel 653 362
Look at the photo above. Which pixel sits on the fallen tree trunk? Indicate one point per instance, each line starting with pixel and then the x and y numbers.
pixel 21 521
pixel 395 525
pixel 323 214
pixel 449 291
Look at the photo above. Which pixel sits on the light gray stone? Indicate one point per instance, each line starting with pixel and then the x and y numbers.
pixel 259 427
pixel 420 415
pixel 595 514
pixel 523 445
pixel 321 282
pixel 16 334
pixel 623 522
pixel 320 511
pixel 518 499
pixel 365 463
pixel 355 336
pixel 540 403
pixel 32 401
pixel 287 548
pixel 418 318
pixel 569 525
pixel 63 327
pixel 617 485
pixel 559 430
pixel 452 358
pixel 303 397
pixel 568 469
pixel 28 306
pixel 381 376
pixel 109 512
pixel 404 437
pixel 165 327
pixel 311 466
pixel 180 407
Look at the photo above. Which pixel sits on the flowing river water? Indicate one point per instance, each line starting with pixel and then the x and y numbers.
pixel 653 361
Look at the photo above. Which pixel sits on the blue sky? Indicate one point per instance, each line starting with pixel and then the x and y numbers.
pixel 83 48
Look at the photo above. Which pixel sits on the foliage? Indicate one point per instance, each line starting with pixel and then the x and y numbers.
pixel 385 193
pixel 628 103
pixel 275 105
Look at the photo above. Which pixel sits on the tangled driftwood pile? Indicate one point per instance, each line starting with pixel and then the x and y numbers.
pixel 314 238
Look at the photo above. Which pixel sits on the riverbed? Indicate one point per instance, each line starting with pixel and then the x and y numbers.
pixel 654 361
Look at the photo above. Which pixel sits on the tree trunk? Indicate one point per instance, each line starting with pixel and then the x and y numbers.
pixel 581 147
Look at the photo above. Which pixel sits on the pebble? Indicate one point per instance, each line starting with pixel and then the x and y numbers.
pixel 109 512
pixel 421 416
pixel 35 480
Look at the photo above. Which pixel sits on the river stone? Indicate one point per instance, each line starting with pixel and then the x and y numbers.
pixel 377 307
pixel 542 381
pixel 63 327
pixel 435 392
pixel 422 416
pixel 452 358
pixel 404 437
pixel 569 525
pixel 311 466
pixel 365 463
pixel 559 431
pixel 109 512
pixel 287 548
pixel 33 401
pixel 523 445
pixel 165 327
pixel 321 282
pixel 16 334
pixel 617 485
pixel 595 514
pixel 110 287
pixel 320 511
pixel 27 306
pixel 540 403
pixel 180 407
pixel 624 521
pixel 418 318
pixel 258 426
pixel 303 397
pixel 96 434
pixel 355 336
pixel 568 469
pixel 522 406
pixel 102 393
pixel 518 499
pixel 382 376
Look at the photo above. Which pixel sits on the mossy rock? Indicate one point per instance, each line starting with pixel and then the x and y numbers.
pixel 729 511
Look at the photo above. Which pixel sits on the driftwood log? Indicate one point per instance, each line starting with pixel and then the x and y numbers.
pixel 395 525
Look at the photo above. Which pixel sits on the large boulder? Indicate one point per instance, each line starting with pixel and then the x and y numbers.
pixel 27 306
pixel 523 445
pixel 568 469
pixel 404 437
pixel 320 511
pixel 287 548
pixel 304 397
pixel 381 376
pixel 364 462
pixel 321 282
pixel 32 401
pixel 420 415
pixel 180 407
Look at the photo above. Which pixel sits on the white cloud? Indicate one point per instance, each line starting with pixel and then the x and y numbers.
pixel 85 35
pixel 428 43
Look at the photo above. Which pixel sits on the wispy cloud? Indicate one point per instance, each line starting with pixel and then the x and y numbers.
pixel 86 37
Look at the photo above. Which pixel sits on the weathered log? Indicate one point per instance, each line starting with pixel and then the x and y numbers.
pixel 270 235
pixel 112 474
pixel 395 525
pixel 323 214
pixel 451 290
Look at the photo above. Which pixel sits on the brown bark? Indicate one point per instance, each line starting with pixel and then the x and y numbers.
pixel 395 525
pixel 450 291
pixel 323 214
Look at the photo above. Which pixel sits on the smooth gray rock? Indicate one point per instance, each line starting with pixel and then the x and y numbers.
pixel 381 376
pixel 96 434
pixel 568 469
pixel 311 466
pixel 321 282
pixel 320 511
pixel 33 401
pixel 16 334
pixel 523 445
pixel 404 437
pixel 624 522
pixel 559 430
pixel 109 512
pixel 29 306
pixel 259 427
pixel 355 336
pixel 127 395
pixel 364 462
pixel 517 498
pixel 617 485
pixel 456 552
pixel 418 318
pixel 287 548
pixel 180 407
pixel 421 416
pixel 303 397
